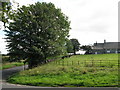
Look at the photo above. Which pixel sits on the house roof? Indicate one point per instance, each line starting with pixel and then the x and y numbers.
pixel 107 45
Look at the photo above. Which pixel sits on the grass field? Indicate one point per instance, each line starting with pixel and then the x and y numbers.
pixel 10 65
pixel 5 64
pixel 77 71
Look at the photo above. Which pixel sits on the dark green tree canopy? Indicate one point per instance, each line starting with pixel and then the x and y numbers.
pixel 37 32
pixel 69 46
pixel 4 11
pixel 87 48
pixel 76 45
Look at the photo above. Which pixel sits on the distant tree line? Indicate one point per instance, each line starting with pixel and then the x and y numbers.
pixel 72 45
pixel 87 48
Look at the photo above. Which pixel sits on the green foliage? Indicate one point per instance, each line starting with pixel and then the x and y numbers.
pixel 5 59
pixel 76 45
pixel 10 65
pixel 72 45
pixel 87 48
pixel 57 75
pixel 5 11
pixel 69 46
pixel 38 31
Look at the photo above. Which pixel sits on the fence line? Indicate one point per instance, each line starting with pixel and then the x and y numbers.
pixel 88 63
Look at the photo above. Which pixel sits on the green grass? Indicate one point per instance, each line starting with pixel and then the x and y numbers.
pixel 5 63
pixel 77 71
pixel 10 65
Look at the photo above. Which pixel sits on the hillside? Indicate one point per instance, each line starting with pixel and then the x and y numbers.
pixel 77 71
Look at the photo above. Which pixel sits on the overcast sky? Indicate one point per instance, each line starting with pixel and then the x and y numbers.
pixel 91 20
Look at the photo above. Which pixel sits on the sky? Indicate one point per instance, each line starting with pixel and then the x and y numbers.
pixel 91 20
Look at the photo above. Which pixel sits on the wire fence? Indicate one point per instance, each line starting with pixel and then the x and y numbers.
pixel 88 63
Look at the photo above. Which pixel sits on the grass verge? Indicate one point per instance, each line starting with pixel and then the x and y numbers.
pixel 10 65
pixel 57 74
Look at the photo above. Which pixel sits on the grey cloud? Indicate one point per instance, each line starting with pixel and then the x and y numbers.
pixel 99 28
pixel 100 14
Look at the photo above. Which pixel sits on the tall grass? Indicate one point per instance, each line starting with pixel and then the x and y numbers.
pixel 73 74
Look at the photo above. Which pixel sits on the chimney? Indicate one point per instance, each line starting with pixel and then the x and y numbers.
pixel 96 43
pixel 104 41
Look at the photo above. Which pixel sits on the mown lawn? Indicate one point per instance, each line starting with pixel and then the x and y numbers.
pixel 77 71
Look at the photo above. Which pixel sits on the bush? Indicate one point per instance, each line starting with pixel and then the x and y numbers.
pixel 5 59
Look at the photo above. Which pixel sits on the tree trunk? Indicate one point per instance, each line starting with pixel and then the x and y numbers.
pixel 35 62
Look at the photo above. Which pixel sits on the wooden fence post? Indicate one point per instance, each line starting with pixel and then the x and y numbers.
pixel 92 63
pixel 78 63
pixel 109 62
pixel 72 62
pixel 85 63
pixel 100 62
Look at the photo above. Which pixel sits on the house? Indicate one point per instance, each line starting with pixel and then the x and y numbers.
pixel 106 47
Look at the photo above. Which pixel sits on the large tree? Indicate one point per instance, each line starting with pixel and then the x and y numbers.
pixel 87 48
pixel 37 32
pixel 76 45
pixel 4 11
pixel 69 46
